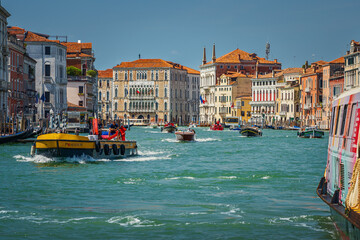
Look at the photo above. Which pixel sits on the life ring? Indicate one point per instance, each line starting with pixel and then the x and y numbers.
pixel 122 149
pixel 97 146
pixel 106 149
pixel 115 149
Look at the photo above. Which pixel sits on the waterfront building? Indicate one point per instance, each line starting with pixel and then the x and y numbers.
pixel 236 61
pixel 231 86
pixel 311 96
pixel 352 66
pixel 81 88
pixel 16 94
pixel 333 85
pixel 152 89
pixel 4 52
pixel 192 95
pixel 105 93
pixel 242 108
pixel 30 99
pixel 50 72
pixel 288 100
pixel 264 94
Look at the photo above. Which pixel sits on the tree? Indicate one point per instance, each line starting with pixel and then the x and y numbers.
pixel 91 73
pixel 73 71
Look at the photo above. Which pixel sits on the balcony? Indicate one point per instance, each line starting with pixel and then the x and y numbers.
pixel 47 79
pixel 307 106
pixel 3 85
pixel 81 78
pixel 132 97
pixel 141 110
pixel 223 110
pixel 283 113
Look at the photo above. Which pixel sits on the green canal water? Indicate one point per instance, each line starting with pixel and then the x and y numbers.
pixel 222 186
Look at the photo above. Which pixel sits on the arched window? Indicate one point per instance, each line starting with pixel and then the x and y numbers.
pixel 107 107
pixel 152 75
pixel 116 92
pixel 126 78
pixel 142 105
pixel 157 75
pixel 125 106
pixel 99 95
pixel 156 106
pixel 165 92
pixel 130 105
pixel 165 75
pixel 148 116
pixel 115 116
pixel 165 118
pixel 152 106
pixel 125 92
pixel 116 76
pixel 107 96
pixel 165 105
pixel 156 92
pixel 125 116
pixel 130 75
pixel 115 106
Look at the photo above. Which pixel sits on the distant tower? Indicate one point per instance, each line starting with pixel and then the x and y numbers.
pixel 204 57
pixel 267 51
pixel 213 57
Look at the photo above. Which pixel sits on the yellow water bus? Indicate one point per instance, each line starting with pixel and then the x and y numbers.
pixel 68 145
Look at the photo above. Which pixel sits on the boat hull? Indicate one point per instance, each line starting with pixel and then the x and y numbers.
pixel 185 136
pixel 346 223
pixel 250 132
pixel 75 146
pixel 311 134
pixel 169 129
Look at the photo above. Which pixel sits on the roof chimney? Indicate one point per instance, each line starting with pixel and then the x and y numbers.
pixel 79 41
pixel 275 60
pixel 257 68
pixel 204 57
pixel 213 57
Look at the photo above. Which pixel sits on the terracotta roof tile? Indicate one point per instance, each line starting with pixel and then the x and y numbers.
pixel 155 63
pixel 108 73
pixel 15 30
pixel 237 74
pixel 78 55
pixel 237 55
pixel 74 47
pixel 75 108
pixel 32 37
pixel 292 70
pixel 338 60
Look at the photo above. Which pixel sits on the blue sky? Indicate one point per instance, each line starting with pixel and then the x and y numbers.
pixel 178 30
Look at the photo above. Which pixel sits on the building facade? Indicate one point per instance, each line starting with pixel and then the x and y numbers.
pixel 105 93
pixel 82 89
pixel 242 108
pixel 352 66
pixel 4 53
pixel 333 85
pixel 312 90
pixel 236 61
pixel 151 89
pixel 50 73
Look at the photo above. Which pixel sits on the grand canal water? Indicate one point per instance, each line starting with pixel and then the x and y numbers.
pixel 222 186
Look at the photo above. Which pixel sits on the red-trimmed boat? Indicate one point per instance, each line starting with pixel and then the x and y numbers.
pixel 188 135
pixel 169 127
pixel 217 127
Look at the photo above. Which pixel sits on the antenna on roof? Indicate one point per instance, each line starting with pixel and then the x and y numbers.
pixel 267 50
pixel 139 56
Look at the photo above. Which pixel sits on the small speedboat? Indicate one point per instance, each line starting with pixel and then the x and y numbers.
pixel 188 135
pixel 217 127
pixel 170 128
pixel 310 132
pixel 154 125
pixel 251 132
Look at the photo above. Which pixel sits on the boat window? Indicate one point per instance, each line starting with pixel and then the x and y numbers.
pixel 352 119
pixel 332 120
pixel 337 120
pixel 343 120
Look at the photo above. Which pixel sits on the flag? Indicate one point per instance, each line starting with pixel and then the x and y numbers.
pixel 43 98
pixel 137 91
pixel 201 100
pixel 232 105
pixel 205 100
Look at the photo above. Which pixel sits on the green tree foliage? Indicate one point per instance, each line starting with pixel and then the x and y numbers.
pixel 73 71
pixel 91 73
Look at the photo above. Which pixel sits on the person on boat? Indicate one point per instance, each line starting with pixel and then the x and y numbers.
pixel 122 132
pixel 113 128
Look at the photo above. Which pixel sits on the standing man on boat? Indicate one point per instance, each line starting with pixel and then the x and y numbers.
pixel 113 128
